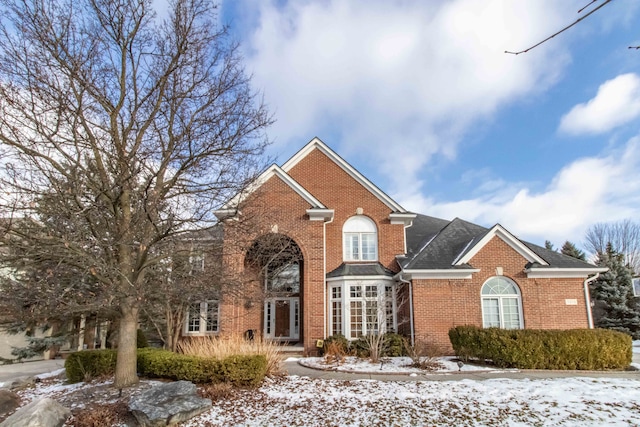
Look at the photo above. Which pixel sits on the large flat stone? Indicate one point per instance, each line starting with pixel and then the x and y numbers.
pixel 168 404
pixel 39 413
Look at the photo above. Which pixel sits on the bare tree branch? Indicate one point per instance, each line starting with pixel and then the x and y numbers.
pixel 565 28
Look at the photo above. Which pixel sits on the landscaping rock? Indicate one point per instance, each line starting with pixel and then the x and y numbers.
pixel 168 404
pixel 40 413
pixel 9 401
pixel 22 383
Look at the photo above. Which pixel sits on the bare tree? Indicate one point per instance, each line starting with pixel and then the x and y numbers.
pixel 118 132
pixel 624 237
pixel 567 27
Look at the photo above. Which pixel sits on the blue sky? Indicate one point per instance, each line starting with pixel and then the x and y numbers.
pixel 421 98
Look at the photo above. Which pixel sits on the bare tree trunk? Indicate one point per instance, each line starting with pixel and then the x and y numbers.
pixel 126 372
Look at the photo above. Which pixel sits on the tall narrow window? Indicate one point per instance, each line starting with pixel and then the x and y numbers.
pixel 501 304
pixel 360 239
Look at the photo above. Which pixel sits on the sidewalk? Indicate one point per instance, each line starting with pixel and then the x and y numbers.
pixel 24 369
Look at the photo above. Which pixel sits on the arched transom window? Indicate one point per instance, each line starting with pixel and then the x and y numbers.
pixel 501 304
pixel 360 239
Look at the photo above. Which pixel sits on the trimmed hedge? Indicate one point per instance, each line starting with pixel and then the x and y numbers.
pixel 237 370
pixel 88 364
pixel 576 349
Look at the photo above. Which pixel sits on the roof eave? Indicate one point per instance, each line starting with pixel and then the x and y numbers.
pixel 566 273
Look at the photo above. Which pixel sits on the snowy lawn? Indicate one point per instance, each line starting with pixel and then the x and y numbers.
pixel 301 401
pixel 399 365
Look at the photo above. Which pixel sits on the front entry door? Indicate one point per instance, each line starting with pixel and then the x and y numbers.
pixel 282 319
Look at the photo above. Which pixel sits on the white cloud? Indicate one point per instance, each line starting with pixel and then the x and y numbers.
pixel 616 103
pixel 407 76
pixel 587 191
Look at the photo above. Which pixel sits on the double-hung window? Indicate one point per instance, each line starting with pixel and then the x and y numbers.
pixel 203 318
pixel 360 239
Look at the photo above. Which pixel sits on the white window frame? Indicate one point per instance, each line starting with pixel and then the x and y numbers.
pixel 203 319
pixel 358 227
pixel 344 304
pixel 501 299
pixel 635 283
pixel 196 261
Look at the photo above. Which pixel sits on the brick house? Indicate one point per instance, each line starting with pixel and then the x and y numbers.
pixel 329 253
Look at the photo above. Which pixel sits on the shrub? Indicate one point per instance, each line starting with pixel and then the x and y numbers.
pixel 233 345
pixel 248 371
pixel 142 339
pixel 424 353
pixel 580 349
pixel 393 345
pixel 339 343
pixel 239 370
pixel 89 364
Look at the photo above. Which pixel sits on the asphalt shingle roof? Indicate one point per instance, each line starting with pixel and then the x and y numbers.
pixel 371 269
pixel 434 243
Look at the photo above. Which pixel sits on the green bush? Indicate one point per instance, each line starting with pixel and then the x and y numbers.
pixel 142 339
pixel 237 370
pixel 89 364
pixel 359 347
pixel 248 371
pixel 157 363
pixel 393 345
pixel 579 349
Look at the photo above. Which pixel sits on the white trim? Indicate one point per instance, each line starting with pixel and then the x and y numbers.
pixel 273 170
pixel 440 273
pixel 372 188
pixel 567 273
pixel 508 238
pixel 402 218
pixel 316 214
pixel 500 297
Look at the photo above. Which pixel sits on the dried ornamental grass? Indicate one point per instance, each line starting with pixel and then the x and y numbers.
pixel 232 345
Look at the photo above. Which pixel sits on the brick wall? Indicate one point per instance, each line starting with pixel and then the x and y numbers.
pixel 276 204
pixel 442 304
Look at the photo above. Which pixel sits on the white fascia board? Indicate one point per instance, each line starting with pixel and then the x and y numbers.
pixel 273 170
pixel 439 274
pixel 358 279
pixel 371 187
pixel 320 214
pixel 562 273
pixel 508 238
pixel 402 218
pixel 223 214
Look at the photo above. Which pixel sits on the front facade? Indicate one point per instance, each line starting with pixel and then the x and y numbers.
pixel 315 249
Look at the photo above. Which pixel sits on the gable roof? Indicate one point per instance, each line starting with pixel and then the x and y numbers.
pixel 271 171
pixel 445 248
pixel 317 144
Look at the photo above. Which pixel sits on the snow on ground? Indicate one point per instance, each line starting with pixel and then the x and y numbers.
pixel 301 401
pixel 636 346
pixel 389 365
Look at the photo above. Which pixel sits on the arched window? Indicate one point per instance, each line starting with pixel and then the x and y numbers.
pixel 360 239
pixel 501 304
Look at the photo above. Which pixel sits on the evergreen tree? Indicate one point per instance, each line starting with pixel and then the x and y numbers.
pixel 570 249
pixel 615 306
pixel 549 245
